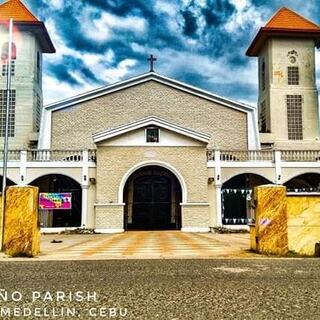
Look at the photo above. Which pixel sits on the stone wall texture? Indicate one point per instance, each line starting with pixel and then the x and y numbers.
pixel 109 217
pixel 73 127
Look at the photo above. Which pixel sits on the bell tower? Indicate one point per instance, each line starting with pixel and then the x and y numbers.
pixel 288 96
pixel 30 41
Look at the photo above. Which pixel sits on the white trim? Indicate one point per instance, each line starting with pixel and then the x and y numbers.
pixel 57 230
pixel 303 194
pixel 192 204
pixel 153 163
pixel 195 229
pixel 236 227
pixel 144 78
pixel 149 121
pixel 84 206
pixel 109 204
pixel 218 206
pixel 111 230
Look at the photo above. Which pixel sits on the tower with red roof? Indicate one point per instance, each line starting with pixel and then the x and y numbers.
pixel 288 96
pixel 30 41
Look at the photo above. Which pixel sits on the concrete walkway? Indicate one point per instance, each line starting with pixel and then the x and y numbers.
pixel 143 245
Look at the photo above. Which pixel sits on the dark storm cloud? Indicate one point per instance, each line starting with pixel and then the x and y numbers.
pixel 217 12
pixel 190 25
pixel 61 73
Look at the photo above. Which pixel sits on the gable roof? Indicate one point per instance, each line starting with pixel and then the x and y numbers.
pixel 16 10
pixel 284 23
pixel 150 76
pixel 150 121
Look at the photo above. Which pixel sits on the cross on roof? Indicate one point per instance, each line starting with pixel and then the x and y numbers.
pixel 152 59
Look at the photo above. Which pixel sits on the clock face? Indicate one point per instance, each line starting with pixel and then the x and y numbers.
pixel 292 59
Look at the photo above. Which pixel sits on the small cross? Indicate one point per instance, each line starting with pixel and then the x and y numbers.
pixel 152 59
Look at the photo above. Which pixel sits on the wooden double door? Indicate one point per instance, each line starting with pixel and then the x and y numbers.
pixel 154 203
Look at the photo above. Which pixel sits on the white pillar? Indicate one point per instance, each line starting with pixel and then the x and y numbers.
pixel 84 211
pixel 217 180
pixel 85 187
pixel 23 167
pixel 219 205
pixel 278 169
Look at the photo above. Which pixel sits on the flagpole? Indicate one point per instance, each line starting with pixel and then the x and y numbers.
pixel 6 135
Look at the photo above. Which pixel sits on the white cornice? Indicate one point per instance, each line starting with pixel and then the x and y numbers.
pixel 150 121
pixel 150 76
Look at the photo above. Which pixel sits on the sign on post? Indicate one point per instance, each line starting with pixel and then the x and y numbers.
pixel 55 201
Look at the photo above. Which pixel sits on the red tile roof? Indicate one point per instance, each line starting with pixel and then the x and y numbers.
pixel 285 23
pixel 287 19
pixel 16 10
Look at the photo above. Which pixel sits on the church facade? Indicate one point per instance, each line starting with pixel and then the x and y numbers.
pixel 152 153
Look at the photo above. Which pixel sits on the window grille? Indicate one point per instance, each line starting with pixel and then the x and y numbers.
pixel 5 68
pixel 294 114
pixel 293 75
pixel 12 107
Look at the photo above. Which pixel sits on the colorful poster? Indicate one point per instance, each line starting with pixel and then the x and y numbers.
pixel 55 201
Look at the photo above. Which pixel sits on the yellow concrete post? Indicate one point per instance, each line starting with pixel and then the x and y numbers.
pixel 271 229
pixel 21 227
pixel 1 221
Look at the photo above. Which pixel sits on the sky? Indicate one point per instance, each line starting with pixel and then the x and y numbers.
pixel 200 42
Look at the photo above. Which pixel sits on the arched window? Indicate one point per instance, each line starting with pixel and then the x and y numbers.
pixel 5 52
pixel 5 56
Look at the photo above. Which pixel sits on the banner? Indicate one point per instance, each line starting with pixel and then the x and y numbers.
pixel 55 201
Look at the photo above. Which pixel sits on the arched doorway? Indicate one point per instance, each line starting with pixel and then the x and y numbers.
pixel 152 195
pixel 307 182
pixel 236 194
pixel 57 183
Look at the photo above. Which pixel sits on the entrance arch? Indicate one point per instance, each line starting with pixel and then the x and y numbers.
pixel 307 182
pixel 235 195
pixel 152 196
pixel 58 183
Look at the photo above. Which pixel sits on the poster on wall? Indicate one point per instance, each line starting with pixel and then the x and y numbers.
pixel 55 201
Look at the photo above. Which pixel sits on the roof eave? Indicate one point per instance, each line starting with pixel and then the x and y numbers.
pixel 39 29
pixel 265 33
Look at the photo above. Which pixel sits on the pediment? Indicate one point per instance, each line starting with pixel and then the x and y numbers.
pixel 134 134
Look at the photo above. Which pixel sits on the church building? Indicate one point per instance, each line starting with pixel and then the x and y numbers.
pixel 153 153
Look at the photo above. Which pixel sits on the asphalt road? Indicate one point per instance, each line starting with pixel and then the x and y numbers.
pixel 163 289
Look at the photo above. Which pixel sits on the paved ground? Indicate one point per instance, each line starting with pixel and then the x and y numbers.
pixel 145 245
pixel 202 289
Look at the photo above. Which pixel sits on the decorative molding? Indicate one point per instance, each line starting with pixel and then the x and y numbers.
pixel 153 163
pixel 114 230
